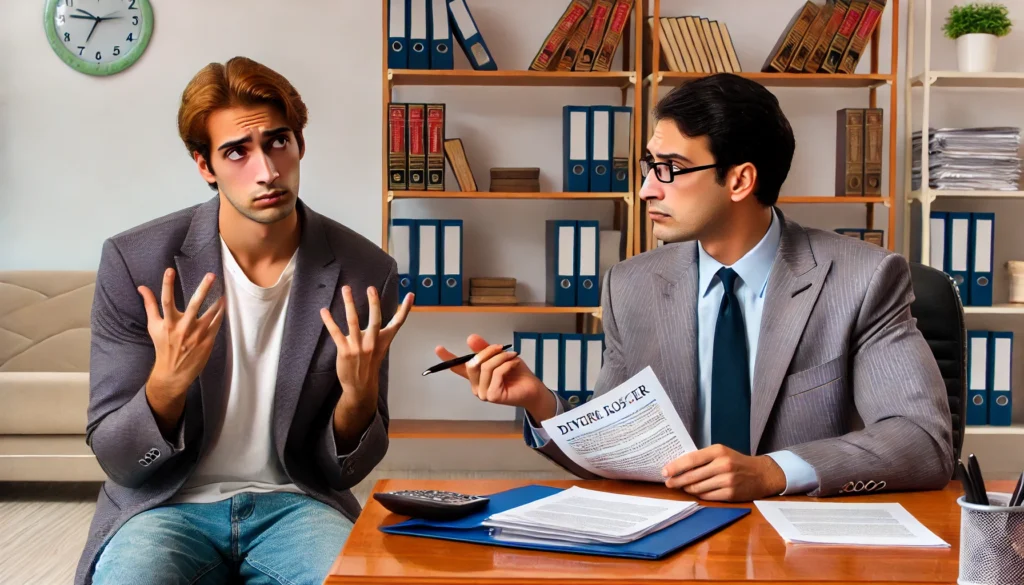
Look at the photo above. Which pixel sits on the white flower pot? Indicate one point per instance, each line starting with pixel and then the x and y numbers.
pixel 976 52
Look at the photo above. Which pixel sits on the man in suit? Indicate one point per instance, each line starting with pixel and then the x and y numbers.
pixel 239 369
pixel 789 353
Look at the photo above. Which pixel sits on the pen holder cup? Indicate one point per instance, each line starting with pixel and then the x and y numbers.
pixel 991 542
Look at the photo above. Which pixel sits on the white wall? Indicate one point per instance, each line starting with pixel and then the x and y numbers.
pixel 82 158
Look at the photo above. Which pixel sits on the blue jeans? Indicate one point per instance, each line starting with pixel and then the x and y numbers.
pixel 256 539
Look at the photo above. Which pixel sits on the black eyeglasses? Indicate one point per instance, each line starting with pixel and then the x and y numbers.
pixel 664 171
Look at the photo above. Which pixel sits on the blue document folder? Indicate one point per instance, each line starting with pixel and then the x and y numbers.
pixel 651 547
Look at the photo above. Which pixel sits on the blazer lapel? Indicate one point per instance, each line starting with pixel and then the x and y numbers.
pixel 200 254
pixel 676 331
pixel 313 287
pixel 793 288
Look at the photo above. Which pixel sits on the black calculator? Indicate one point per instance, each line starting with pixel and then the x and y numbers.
pixel 431 504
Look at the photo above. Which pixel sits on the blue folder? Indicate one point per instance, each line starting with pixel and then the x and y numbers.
pixel 651 547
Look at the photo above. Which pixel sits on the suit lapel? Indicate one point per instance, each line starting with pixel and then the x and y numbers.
pixel 793 288
pixel 313 287
pixel 677 331
pixel 200 254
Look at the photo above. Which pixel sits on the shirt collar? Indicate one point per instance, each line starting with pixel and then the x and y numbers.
pixel 753 268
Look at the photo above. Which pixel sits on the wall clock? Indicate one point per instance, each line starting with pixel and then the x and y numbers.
pixel 98 37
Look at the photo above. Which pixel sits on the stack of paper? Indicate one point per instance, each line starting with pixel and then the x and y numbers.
pixel 586 516
pixel 969 159
pixel 860 524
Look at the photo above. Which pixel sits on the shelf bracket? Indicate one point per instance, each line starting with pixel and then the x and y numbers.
pixel 391 196
pixel 932 79
pixel 391 75
pixel 628 198
pixel 596 314
pixel 632 78
pixel 887 203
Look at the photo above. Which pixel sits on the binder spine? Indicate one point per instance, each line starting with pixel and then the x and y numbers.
pixel 560 264
pixel 600 121
pixel 403 248
pixel 398 35
pixel 419 36
pixel 468 35
pixel 397 158
pixel 622 131
pixel 576 148
pixel 982 236
pixel 1000 403
pixel 435 146
pixel 441 56
pixel 610 44
pixel 588 254
pixel 427 239
pixel 417 147
pixel 451 262
pixel 978 362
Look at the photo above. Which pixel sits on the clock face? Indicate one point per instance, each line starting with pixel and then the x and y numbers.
pixel 99 37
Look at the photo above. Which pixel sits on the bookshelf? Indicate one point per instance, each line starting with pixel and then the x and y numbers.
pixel 997 447
pixel 654 79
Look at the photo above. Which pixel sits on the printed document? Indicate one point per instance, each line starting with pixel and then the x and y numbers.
pixel 627 433
pixel 856 524
pixel 588 516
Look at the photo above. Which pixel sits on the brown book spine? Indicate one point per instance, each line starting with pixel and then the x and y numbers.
pixel 873 142
pixel 515 173
pixel 872 16
pixel 456 156
pixel 821 48
pixel 729 48
pixel 843 36
pixel 397 159
pixel 716 58
pixel 688 28
pixel 810 39
pixel 435 147
pixel 570 19
pixel 485 300
pixel 492 282
pixel 479 291
pixel 782 53
pixel 610 44
pixel 854 233
pixel 716 34
pixel 574 47
pixel 850 152
pixel 602 11
pixel 876 237
pixel 417 136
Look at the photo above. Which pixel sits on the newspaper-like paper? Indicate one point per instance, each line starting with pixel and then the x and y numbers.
pixel 852 524
pixel 627 433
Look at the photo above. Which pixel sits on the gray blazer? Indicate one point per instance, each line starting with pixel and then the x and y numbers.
pixel 143 468
pixel 843 377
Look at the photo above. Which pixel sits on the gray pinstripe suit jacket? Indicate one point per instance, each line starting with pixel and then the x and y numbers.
pixel 145 468
pixel 842 378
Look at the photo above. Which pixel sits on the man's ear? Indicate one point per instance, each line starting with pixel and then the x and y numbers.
pixel 741 181
pixel 205 168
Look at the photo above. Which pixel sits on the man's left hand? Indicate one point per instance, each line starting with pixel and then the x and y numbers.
pixel 360 354
pixel 720 473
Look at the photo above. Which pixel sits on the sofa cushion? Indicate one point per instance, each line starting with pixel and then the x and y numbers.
pixel 51 403
pixel 44 320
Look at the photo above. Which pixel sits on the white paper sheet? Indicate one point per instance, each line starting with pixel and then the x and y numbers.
pixel 866 524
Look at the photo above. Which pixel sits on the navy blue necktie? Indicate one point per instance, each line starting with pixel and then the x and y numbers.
pixel 730 373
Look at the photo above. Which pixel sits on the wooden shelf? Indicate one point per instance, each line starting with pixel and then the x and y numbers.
pixel 502 195
pixel 471 77
pixel 993 80
pixel 531 308
pixel 994 430
pixel 821 80
pixel 979 194
pixel 833 200
pixel 454 429
pixel 1007 309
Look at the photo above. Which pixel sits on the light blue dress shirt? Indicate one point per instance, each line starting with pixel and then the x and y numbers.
pixel 752 270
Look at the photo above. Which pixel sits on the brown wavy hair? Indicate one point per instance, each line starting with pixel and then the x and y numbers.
pixel 239 82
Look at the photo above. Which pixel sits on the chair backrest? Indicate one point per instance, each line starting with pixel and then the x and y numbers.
pixel 940 318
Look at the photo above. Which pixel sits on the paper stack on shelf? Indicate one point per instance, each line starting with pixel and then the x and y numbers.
pixel 970 159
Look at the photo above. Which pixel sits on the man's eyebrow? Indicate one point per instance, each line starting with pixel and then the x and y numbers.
pixel 673 156
pixel 267 134
pixel 276 132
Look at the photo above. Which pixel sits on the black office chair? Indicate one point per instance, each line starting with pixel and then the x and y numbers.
pixel 940 318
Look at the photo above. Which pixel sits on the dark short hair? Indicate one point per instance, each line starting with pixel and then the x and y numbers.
pixel 743 123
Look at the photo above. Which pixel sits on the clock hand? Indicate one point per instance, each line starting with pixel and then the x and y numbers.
pixel 85 12
pixel 97 21
pixel 80 17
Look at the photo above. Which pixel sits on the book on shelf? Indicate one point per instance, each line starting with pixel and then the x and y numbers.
pixel 416 147
pixel 455 153
pixel 515 180
pixel 694 44
pixel 493 291
pixel 421 35
pixel 876 237
pixel 825 38
pixel 585 37
pixel 859 143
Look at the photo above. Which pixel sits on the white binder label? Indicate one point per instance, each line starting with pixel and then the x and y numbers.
pixel 620 135
pixel 983 246
pixel 959 253
pixel 528 353
pixel 979 359
pixel 601 127
pixel 588 251
pixel 418 22
pixel 462 18
pixel 428 249
pixel 396 28
pixel 452 250
pixel 577 136
pixel 549 352
pixel 440 23
pixel 937 243
pixel 1001 375
pixel 400 247
pixel 594 356
pixel 566 250
pixel 573 357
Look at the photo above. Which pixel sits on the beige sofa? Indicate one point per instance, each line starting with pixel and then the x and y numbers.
pixel 44 376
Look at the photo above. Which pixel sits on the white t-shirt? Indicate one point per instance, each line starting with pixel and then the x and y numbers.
pixel 242 457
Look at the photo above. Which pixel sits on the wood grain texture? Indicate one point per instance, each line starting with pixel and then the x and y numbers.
pixel 749 551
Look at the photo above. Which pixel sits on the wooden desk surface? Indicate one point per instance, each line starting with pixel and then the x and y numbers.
pixel 747 551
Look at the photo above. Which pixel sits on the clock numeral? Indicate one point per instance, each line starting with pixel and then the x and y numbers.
pixel 98 56
pixel 69 3
pixel 60 19
pixel 117 50
pixel 132 6
pixel 67 37
pixel 130 38
pixel 80 49
pixel 135 20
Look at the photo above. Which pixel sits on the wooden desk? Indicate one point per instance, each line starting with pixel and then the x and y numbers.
pixel 747 551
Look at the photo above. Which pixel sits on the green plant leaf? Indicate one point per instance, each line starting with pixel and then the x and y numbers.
pixel 989 18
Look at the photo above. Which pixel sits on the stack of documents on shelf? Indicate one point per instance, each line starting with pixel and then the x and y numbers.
pixel 585 516
pixel 970 159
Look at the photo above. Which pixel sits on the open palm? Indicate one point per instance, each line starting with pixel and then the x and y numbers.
pixel 495 375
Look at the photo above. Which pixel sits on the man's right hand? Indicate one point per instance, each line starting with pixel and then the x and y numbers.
pixel 502 378
pixel 183 342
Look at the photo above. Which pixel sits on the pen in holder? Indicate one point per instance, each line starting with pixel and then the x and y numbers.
pixel 991 542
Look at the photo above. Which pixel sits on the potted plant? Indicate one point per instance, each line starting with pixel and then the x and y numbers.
pixel 975 27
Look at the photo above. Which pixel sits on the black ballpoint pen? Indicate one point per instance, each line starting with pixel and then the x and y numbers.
pixel 1017 498
pixel 965 480
pixel 456 362
pixel 979 481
